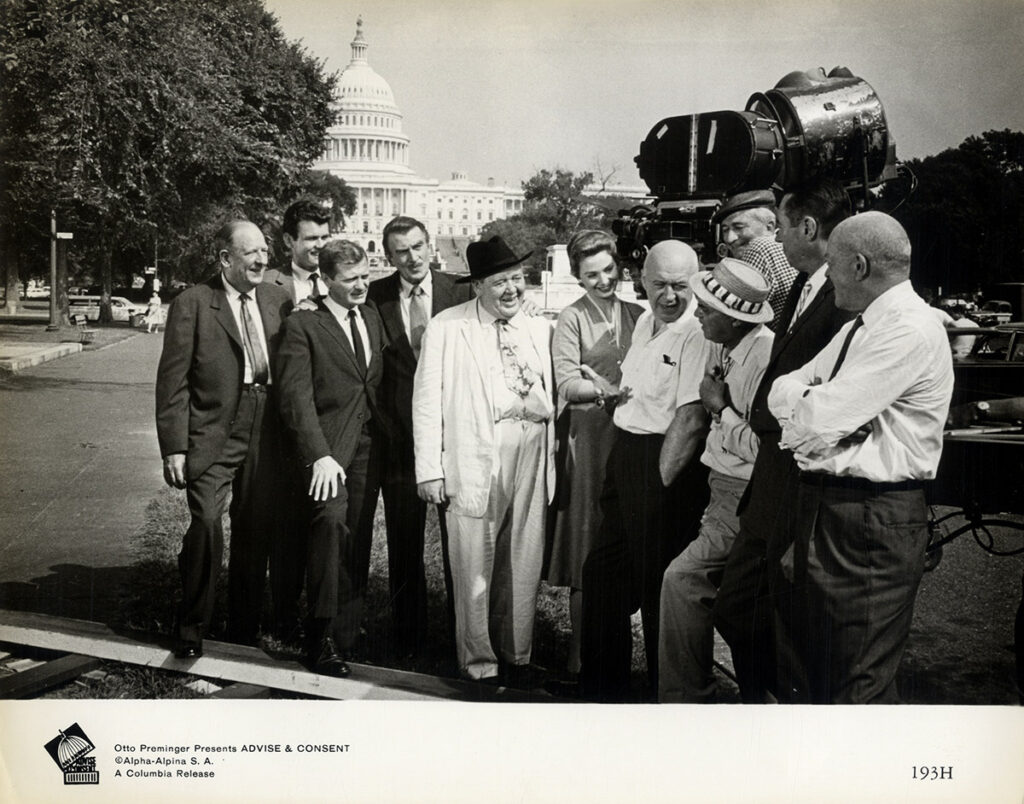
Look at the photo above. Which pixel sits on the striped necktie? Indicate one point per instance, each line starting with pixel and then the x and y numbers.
pixel 253 345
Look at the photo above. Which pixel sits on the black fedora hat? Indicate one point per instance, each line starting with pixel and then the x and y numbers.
pixel 488 257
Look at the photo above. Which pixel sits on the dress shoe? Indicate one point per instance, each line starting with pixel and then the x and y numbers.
pixel 329 662
pixel 189 650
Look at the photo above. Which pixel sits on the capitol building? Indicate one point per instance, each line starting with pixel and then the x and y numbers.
pixel 368 149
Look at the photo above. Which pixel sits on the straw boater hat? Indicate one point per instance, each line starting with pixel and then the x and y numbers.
pixel 488 257
pixel 736 289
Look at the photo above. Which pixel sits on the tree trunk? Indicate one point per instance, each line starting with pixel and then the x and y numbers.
pixel 11 258
pixel 107 280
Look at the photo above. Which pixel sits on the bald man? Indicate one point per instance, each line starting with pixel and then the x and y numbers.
pixel 864 421
pixel 216 420
pixel 655 486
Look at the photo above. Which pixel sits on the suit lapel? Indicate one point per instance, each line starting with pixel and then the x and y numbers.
pixel 391 316
pixel 222 311
pixel 441 299
pixel 473 333
pixel 269 314
pixel 331 326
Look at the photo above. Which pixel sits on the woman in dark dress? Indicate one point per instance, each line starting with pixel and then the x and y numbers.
pixel 591 338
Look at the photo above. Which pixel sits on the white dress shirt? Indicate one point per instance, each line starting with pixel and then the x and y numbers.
pixel 340 314
pixel 897 378
pixel 302 286
pixel 731 447
pixel 405 300
pixel 815 282
pixel 235 303
pixel 663 372
pixel 537 405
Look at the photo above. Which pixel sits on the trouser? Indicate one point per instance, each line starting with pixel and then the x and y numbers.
pixel 496 559
pixel 405 516
pixel 245 467
pixel 688 589
pixel 288 552
pixel 338 563
pixel 745 606
pixel 645 525
pixel 850 583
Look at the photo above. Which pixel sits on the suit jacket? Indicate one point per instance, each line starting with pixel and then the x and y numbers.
pixel 769 489
pixel 400 360
pixel 325 396
pixel 201 369
pixel 282 279
pixel 453 412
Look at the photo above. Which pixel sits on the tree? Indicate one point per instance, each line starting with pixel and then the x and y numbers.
pixel 139 118
pixel 966 217
pixel 556 206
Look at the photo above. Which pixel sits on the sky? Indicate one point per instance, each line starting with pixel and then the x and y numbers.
pixel 505 88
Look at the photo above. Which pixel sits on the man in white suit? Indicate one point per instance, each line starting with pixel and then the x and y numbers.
pixel 483 427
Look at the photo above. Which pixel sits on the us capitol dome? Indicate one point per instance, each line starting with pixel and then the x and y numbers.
pixel 368 149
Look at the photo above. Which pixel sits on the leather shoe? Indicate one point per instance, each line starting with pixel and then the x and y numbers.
pixel 189 650
pixel 329 662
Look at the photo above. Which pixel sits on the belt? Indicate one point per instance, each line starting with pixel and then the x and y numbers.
pixel 520 418
pixel 826 480
pixel 257 387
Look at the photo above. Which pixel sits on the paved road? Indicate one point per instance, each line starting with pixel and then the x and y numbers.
pixel 78 462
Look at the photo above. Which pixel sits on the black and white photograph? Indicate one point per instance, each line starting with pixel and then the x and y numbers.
pixel 523 400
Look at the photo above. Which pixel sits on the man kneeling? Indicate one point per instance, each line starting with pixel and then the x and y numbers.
pixel 732 309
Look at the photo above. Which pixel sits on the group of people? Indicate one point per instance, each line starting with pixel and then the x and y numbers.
pixel 748 454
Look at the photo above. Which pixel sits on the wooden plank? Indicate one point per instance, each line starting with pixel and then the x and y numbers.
pixel 242 691
pixel 229 662
pixel 46 675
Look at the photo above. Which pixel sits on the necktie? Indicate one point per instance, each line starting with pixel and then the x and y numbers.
pixel 314 293
pixel 805 293
pixel 857 324
pixel 519 377
pixel 253 345
pixel 418 317
pixel 357 341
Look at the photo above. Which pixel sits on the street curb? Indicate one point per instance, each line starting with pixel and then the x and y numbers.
pixel 43 354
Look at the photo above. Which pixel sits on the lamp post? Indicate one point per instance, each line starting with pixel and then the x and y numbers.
pixel 54 237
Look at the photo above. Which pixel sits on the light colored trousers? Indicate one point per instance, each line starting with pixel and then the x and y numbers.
pixel 688 590
pixel 496 560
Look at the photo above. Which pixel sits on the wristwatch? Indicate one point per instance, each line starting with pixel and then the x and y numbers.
pixel 981 409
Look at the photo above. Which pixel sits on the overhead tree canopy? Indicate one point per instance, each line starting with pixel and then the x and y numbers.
pixel 138 119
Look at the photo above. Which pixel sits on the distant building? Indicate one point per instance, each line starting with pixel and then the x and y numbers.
pixel 367 148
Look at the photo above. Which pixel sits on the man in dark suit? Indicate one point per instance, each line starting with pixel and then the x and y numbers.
pixel 218 431
pixel 306 230
pixel 406 300
pixel 330 367
pixel 744 607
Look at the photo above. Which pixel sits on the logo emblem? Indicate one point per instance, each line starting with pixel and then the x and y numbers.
pixel 69 750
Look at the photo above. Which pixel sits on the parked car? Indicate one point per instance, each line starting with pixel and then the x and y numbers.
pixel 995 366
pixel 993 313
pixel 120 308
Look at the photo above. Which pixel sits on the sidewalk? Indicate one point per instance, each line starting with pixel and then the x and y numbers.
pixel 25 341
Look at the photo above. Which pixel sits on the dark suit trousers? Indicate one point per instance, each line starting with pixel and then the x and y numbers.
pixel 645 525
pixel 744 609
pixel 405 515
pixel 857 560
pixel 246 467
pixel 288 552
pixel 338 558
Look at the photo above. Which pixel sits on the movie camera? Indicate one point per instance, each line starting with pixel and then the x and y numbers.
pixel 809 125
